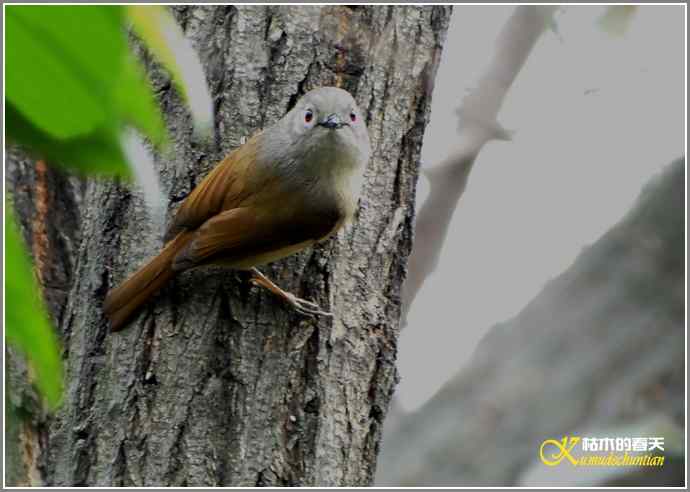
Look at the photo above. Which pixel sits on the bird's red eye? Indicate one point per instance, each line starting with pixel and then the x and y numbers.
pixel 353 117
pixel 308 116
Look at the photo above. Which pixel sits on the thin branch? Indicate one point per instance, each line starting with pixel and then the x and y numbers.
pixel 478 125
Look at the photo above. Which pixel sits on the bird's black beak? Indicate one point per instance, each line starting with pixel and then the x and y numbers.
pixel 332 121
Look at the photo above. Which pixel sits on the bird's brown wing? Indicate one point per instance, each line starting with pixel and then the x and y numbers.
pixel 225 187
pixel 248 236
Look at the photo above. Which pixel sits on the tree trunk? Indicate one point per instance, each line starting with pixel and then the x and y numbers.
pixel 217 383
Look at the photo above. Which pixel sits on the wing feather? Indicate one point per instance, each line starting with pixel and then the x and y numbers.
pixel 225 187
pixel 241 235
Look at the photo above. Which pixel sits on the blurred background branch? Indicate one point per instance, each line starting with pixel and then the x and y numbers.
pixel 598 352
pixel 478 124
pixel 549 314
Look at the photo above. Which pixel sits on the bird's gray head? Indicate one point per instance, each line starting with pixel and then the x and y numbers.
pixel 328 107
pixel 324 128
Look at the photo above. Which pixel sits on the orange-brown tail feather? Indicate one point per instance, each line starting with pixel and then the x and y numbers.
pixel 123 301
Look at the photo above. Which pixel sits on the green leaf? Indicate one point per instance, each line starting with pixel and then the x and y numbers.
pixel 60 61
pixel 35 76
pixel 98 152
pixel 157 28
pixel 90 38
pixel 28 327
pixel 134 99
pixel 72 86
pixel 149 22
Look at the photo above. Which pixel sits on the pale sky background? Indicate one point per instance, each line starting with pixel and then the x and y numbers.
pixel 595 118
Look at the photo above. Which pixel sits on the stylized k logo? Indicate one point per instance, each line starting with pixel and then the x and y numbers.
pixel 563 449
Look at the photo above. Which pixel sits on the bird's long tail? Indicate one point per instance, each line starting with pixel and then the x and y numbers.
pixel 123 301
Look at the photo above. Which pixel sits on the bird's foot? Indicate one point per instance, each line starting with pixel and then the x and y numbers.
pixel 305 307
pixel 300 305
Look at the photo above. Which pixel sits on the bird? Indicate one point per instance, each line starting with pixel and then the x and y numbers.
pixel 294 184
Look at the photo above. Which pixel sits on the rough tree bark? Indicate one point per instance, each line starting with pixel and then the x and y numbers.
pixel 217 383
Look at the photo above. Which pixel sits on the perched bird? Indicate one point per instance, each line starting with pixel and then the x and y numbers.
pixel 288 187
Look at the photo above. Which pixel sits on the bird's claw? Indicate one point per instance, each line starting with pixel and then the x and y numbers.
pixel 305 307
pixel 300 305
